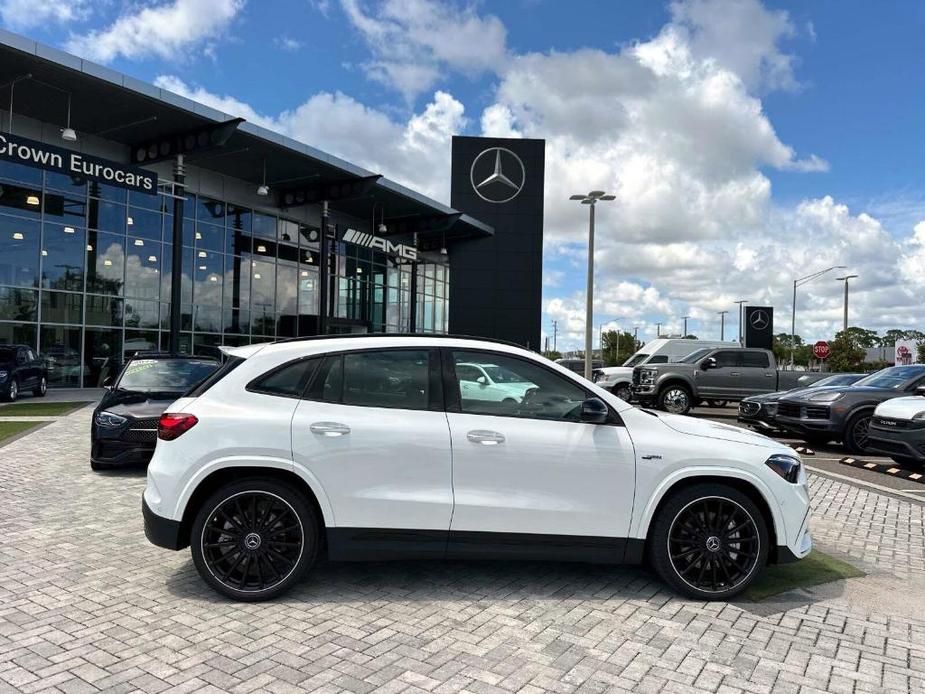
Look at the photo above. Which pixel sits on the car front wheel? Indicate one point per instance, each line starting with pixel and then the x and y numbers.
pixel 857 433
pixel 623 391
pixel 254 539
pixel 675 399
pixel 12 391
pixel 709 542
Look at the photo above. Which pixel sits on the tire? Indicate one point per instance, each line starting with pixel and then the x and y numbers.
pixel 623 391
pixel 231 539
pixel 42 388
pixel 97 467
pixel 716 403
pixel 12 392
pixel 675 399
pixel 856 432
pixel 904 461
pixel 690 552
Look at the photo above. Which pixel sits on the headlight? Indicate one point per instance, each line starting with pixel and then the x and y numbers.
pixel 771 408
pixel 786 466
pixel 825 397
pixel 647 376
pixel 109 419
pixel 920 417
pixel 3 375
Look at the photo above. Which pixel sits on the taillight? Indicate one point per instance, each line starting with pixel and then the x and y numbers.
pixel 173 424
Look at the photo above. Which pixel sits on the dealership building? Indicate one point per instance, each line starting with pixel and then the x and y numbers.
pixel 99 173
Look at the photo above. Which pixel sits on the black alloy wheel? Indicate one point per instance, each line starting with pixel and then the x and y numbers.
pixel 857 433
pixel 709 542
pixel 254 539
pixel 12 391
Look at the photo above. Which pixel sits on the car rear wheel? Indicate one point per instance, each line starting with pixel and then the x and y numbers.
pixel 709 542
pixel 857 433
pixel 675 399
pixel 716 403
pixel 623 391
pixel 12 391
pixel 42 388
pixel 254 539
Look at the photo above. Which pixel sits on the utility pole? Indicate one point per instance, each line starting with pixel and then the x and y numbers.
pixel 685 325
pixel 635 338
pixel 658 330
pixel 845 280
pixel 740 303
pixel 555 334
pixel 722 325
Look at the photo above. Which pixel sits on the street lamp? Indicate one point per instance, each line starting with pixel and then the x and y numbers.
pixel 590 199
pixel 685 325
pixel 799 282
pixel 845 280
pixel 722 325
pixel 740 303
pixel 658 330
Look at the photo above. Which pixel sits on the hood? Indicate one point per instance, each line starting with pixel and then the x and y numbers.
pixel 613 372
pixel 713 430
pixel 901 408
pixel 134 404
pixel 803 394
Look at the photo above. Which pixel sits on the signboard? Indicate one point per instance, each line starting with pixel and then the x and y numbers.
pixel 22 150
pixel 361 238
pixel 821 350
pixel 759 327
pixel 905 352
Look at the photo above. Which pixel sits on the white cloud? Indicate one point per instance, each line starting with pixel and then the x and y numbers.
pixel 168 30
pixel 287 43
pixel 28 14
pixel 414 41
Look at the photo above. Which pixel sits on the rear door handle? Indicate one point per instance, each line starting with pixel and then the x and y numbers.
pixel 735 373
pixel 485 437
pixel 329 429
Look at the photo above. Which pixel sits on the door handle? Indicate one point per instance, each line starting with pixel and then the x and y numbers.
pixel 329 429
pixel 735 373
pixel 485 438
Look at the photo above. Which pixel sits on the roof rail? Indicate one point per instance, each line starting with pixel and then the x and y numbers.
pixel 441 336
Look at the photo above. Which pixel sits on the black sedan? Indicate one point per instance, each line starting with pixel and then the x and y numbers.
pixel 124 428
pixel 844 413
pixel 21 370
pixel 759 411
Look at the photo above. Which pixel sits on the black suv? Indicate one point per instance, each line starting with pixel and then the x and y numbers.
pixel 124 428
pixel 21 369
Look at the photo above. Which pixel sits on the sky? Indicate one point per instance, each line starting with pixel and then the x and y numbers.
pixel 748 144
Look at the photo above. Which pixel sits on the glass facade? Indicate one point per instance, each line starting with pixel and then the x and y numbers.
pixel 85 276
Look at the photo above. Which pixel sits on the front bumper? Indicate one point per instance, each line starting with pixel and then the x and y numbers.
pixel 161 531
pixel 809 419
pixel 131 444
pixel 899 443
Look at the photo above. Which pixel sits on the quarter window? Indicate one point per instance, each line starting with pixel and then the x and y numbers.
pixel 289 380
pixel 517 388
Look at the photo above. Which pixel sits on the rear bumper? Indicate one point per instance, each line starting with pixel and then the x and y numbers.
pixel 161 531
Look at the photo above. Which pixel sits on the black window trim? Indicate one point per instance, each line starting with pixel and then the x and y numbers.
pixel 253 386
pixel 435 398
pixel 453 398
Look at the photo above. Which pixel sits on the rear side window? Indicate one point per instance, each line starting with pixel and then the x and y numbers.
pixel 755 359
pixel 230 365
pixel 398 378
pixel 288 380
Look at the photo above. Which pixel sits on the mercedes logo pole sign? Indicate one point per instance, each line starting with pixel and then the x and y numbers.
pixel 760 320
pixel 821 350
pixel 497 175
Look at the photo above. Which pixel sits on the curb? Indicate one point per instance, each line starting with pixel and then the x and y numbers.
pixel 885 468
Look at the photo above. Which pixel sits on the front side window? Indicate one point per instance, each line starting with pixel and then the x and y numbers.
pixel 524 390
pixel 727 359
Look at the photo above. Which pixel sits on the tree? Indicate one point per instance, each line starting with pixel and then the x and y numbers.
pixel 921 353
pixel 552 355
pixel 802 353
pixel 862 337
pixel 617 346
pixel 847 350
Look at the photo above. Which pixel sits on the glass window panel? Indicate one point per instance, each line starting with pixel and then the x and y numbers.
pixel 76 185
pixel 287 325
pixel 186 317
pixel 288 251
pixel 141 314
pixel 236 321
pixel 236 340
pixel 189 210
pixel 438 316
pixel 264 248
pixel 207 346
pixel 61 307
pixel 290 380
pixel 287 289
pixel 186 279
pixel 142 268
pixel 19 261
pixel 264 226
pixel 308 291
pixel 396 378
pixel 263 322
pixel 63 257
pixel 60 349
pixel 210 211
pixel 21 201
pixel 139 341
pixel 105 191
pixel 263 287
pixel 104 310
pixel 287 231
pixel 65 209
pixel 209 275
pixel 239 218
pixel 20 172
pixel 102 356
pixel 208 319
pixel 144 223
pixel 105 263
pixel 18 304
pixel 210 237
pixel 149 202
pixel 237 241
pixel 106 216
pixel 309 236
pixel 237 282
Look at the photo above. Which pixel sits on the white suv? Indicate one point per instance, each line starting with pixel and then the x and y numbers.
pixel 366 447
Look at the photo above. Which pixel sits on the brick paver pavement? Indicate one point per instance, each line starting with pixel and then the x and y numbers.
pixel 87 604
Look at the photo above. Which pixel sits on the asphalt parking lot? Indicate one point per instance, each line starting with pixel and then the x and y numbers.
pixel 86 604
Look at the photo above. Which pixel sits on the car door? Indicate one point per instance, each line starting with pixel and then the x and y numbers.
pixel 723 379
pixel 529 478
pixel 371 429
pixel 757 374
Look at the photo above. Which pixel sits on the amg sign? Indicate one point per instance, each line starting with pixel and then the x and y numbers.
pixel 33 153
pixel 362 239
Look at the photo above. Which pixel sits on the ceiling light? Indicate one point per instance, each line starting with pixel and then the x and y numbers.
pixel 69 134
pixel 203 254
pixel 256 275
pixel 443 251
pixel 203 267
pixel 198 236
pixel 304 273
pixel 44 252
pixel 17 235
pixel 382 228
pixel 263 190
pixel 130 221
pixel 213 278
pixel 107 262
pixel 152 258
pixel 139 242
pixel 359 271
pixel 89 247
pixel 68 230
pixel 261 248
pixel 32 200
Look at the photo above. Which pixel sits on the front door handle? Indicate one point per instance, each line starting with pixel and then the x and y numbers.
pixel 329 429
pixel 485 437
pixel 735 373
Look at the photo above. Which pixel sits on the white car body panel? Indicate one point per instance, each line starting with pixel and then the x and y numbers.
pixel 901 408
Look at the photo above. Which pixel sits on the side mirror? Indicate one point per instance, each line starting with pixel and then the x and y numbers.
pixel 594 411
pixel 919 390
pixel 708 363
pixel 107 382
pixel 482 381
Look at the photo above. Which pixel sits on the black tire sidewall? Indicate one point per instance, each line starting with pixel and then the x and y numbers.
pixel 311 528
pixel 39 392
pixel 849 441
pixel 661 526
pixel 625 389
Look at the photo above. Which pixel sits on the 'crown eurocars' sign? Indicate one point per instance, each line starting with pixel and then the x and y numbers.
pixel 32 153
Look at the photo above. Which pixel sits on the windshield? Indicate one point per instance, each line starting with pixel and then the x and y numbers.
pixel 695 356
pixel 499 374
pixel 895 377
pixel 839 380
pixel 172 375
pixel 635 359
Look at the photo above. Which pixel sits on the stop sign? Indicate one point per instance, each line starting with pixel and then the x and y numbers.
pixel 821 349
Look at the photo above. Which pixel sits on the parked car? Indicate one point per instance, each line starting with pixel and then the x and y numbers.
pixel 124 426
pixel 619 379
pixel 491 382
pixel 759 411
pixel 728 373
pixel 367 447
pixel 898 429
pixel 578 365
pixel 844 413
pixel 21 370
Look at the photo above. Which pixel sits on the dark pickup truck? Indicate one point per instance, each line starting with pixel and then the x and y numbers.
pixel 722 373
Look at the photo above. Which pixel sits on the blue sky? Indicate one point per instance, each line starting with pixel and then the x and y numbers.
pixel 747 143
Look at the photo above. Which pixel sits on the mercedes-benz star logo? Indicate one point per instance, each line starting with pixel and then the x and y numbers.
pixel 497 175
pixel 713 543
pixel 759 320
pixel 252 541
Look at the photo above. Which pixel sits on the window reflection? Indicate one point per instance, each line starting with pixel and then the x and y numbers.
pixel 63 257
pixel 105 262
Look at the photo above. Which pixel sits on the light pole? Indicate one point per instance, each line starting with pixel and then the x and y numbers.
pixel 555 334
pixel 635 338
pixel 722 325
pixel 799 282
pixel 845 280
pixel 741 302
pixel 590 199
pixel 685 325
pixel 658 330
